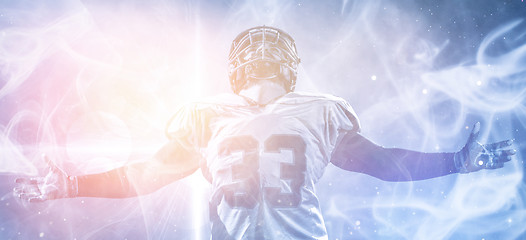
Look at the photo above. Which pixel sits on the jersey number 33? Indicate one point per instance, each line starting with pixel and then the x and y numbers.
pixel 246 189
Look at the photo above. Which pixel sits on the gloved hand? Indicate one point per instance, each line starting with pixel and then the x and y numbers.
pixel 56 184
pixel 475 156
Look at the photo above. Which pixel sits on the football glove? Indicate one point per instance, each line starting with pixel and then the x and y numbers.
pixel 475 156
pixel 56 184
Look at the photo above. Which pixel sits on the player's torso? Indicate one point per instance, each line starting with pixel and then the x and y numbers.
pixel 264 162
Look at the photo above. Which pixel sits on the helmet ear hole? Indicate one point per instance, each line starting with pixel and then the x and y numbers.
pixel 248 69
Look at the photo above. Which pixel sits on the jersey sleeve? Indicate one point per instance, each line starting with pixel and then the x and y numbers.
pixel 344 117
pixel 188 126
pixel 342 120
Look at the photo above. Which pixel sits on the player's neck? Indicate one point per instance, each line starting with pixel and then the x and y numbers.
pixel 264 92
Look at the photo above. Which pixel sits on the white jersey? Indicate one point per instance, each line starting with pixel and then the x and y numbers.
pixel 263 161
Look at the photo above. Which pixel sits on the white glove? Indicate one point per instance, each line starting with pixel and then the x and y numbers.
pixel 475 156
pixel 56 184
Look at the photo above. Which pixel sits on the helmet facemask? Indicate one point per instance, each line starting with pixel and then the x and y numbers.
pixel 263 53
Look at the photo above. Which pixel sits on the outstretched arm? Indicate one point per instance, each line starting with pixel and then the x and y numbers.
pixel 356 153
pixel 170 163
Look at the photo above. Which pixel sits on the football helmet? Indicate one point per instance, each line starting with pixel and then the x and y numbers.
pixel 263 53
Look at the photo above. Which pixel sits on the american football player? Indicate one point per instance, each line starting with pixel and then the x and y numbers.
pixel 263 148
